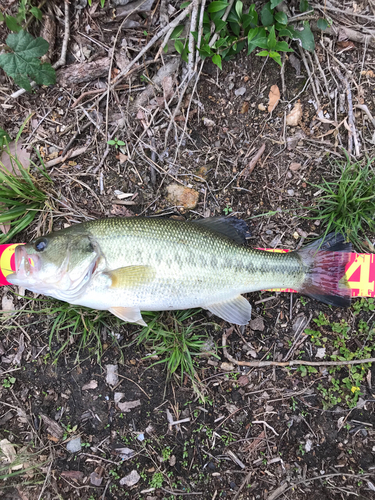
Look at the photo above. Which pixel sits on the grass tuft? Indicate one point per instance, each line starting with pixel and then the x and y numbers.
pixel 22 195
pixel 347 205
pixel 176 345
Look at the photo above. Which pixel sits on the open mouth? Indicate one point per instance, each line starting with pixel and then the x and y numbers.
pixel 26 265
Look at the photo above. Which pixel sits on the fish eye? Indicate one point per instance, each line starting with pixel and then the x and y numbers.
pixel 41 244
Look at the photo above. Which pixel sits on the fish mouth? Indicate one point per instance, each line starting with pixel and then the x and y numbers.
pixel 26 265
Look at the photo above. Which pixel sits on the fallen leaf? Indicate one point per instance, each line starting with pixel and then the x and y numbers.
pixel 16 150
pixel 274 98
pixel 182 196
pixel 96 477
pixel 244 108
pixel 369 73
pixel 123 158
pixel 121 210
pixel 112 374
pixel 93 384
pixel 294 167
pixel 131 479
pixel 9 451
pixel 128 405
pixel 124 453
pixel 294 117
pixel 76 475
pixel 7 304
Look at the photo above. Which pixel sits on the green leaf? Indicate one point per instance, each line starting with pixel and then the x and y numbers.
pixel 322 24
pixel 304 6
pixel 4 138
pixel 216 59
pixel 12 24
pixel 220 42
pixel 281 18
pixel 219 25
pixel 179 46
pixel 23 62
pixel 217 6
pixel 239 8
pixel 306 36
pixel 263 53
pixel 283 47
pixel 274 3
pixel 177 32
pixel 37 13
pixel 287 31
pixel 2 18
pixel 276 57
pixel 266 15
pixel 271 40
pixel 184 5
pixel 252 34
pixel 235 28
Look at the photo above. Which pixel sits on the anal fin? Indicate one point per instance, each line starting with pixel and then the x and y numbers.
pixel 130 314
pixel 236 311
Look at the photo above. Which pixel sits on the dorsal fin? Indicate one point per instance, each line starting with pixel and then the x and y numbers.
pixel 235 229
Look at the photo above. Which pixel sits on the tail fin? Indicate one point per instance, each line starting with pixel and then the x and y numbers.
pixel 325 261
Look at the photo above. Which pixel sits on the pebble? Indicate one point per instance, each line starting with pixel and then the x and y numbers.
pixel 182 196
pixel 257 324
pixel 290 192
pixel 74 445
pixel 240 91
pixel 227 367
pixel 131 479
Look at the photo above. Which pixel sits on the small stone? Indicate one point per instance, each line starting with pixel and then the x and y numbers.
pixel 74 445
pixel 240 91
pixel 227 367
pixel 290 192
pixel 257 324
pixel 317 222
pixel 93 384
pixel 182 196
pixel 208 123
pixel 295 235
pixel 294 117
pixel 308 445
pixel 261 107
pixel 112 374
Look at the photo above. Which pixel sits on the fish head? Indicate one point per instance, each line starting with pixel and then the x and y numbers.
pixel 59 264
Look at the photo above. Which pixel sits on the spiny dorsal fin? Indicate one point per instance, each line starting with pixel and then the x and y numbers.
pixel 235 229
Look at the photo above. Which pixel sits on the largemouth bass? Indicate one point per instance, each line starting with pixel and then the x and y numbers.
pixel 129 265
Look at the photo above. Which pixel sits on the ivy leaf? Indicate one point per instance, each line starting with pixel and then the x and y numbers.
pixel 216 59
pixel 322 24
pixel 12 24
pixel 266 15
pixel 217 6
pixel 288 31
pixel 23 62
pixel 263 53
pixel 306 36
pixel 274 3
pixel 281 18
pixel 2 18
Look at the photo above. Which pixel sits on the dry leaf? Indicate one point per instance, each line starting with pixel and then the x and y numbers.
pixel 131 479
pixel 295 115
pixel 128 405
pixel 244 108
pixel 93 384
pixel 262 107
pixel 274 98
pixel 112 374
pixel 294 166
pixel 123 158
pixel 368 73
pixel 16 150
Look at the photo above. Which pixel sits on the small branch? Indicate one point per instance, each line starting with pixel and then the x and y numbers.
pixel 250 167
pixel 200 33
pixel 353 133
pixel 191 45
pixel 262 364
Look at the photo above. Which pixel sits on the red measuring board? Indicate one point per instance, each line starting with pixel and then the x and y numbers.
pixel 360 271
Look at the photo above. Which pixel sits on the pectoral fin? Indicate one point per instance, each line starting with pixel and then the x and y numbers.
pixel 129 314
pixel 130 276
pixel 237 310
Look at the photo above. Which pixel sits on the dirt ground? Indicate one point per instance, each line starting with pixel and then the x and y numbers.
pixel 246 433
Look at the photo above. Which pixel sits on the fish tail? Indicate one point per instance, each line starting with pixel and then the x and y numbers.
pixel 325 261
